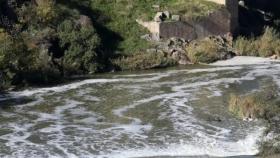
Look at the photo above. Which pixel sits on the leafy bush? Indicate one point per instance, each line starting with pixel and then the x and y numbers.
pixel 80 43
pixel 46 10
pixel 141 61
pixel 14 57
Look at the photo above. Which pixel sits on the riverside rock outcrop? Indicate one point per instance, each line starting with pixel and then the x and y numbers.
pixel 177 48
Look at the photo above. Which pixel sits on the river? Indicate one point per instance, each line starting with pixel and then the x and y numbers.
pixel 176 112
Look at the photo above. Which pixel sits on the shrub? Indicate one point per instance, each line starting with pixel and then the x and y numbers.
pixel 269 43
pixel 80 44
pixel 203 51
pixel 45 10
pixel 142 61
pixel 246 47
pixel 255 105
pixel 14 57
pixel 266 45
pixel 248 107
pixel 270 147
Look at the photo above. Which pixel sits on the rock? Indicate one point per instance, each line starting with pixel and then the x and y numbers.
pixel 159 17
pixel 156 6
pixel 84 21
pixel 147 37
pixel 155 37
pixel 175 55
pixel 184 60
pixel 242 3
pixel 152 50
pixel 167 14
pixel 274 57
pixel 227 55
pixel 175 17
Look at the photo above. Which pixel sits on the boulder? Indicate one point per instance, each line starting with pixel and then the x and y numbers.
pixel 156 6
pixel 159 17
pixel 175 17
pixel 84 21
pixel 274 57
pixel 151 50
pixel 167 14
pixel 227 55
pixel 147 37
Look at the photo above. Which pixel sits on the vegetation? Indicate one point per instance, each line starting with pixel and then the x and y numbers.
pixel 80 43
pixel 120 17
pixel 203 51
pixel 261 105
pixel 266 45
pixel 142 61
pixel 42 42
pixel 252 106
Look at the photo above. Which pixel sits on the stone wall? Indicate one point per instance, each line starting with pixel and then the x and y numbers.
pixel 223 2
pixel 177 29
pixel 216 23
pixel 220 22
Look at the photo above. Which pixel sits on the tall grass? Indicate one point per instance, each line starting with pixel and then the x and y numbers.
pixel 142 61
pixel 266 45
pixel 263 104
pixel 203 51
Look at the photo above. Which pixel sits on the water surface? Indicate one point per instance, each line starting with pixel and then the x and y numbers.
pixel 180 112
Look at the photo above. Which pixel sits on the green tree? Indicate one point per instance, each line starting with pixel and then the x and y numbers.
pixel 80 43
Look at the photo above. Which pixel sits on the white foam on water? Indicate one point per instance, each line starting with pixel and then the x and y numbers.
pixel 177 110
pixel 244 60
pixel 64 88
pixel 75 85
pixel 242 147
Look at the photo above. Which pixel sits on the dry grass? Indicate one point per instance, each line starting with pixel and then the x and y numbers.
pixel 247 107
pixel 203 51
pixel 142 61
pixel 262 104
pixel 266 45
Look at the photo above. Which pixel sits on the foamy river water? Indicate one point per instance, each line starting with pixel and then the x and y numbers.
pixel 178 112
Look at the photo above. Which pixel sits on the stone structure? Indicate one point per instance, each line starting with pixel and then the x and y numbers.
pixel 219 22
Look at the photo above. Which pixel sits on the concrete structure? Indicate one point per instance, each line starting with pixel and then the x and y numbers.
pixel 223 2
pixel 219 22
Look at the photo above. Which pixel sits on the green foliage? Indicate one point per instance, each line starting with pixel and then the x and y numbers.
pixel 46 10
pixel 14 57
pixel 80 43
pixel 142 61
pixel 120 17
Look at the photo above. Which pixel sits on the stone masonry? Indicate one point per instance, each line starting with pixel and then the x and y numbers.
pixel 220 22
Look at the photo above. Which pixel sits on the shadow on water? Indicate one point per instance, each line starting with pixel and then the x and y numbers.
pixel 8 102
